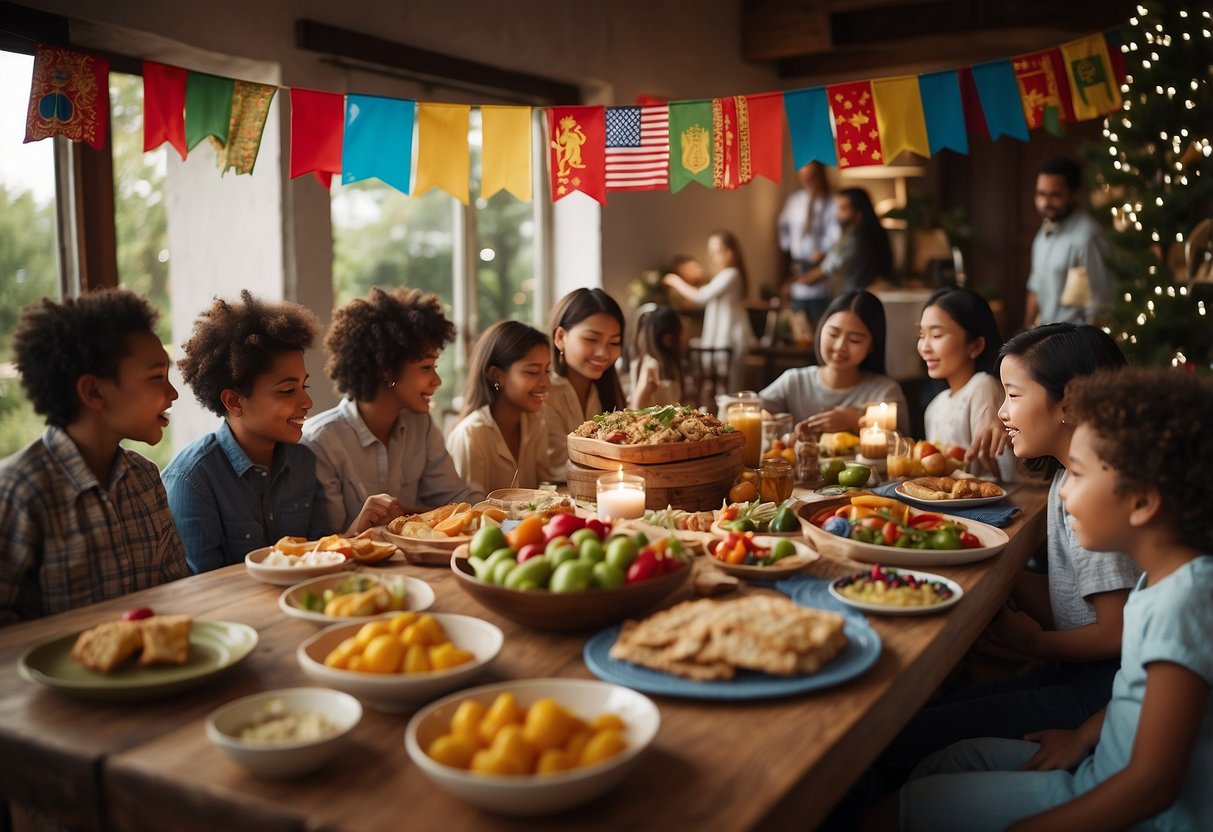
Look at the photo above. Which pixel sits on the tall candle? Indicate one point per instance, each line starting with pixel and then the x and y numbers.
pixel 620 496
pixel 873 442
pixel 883 416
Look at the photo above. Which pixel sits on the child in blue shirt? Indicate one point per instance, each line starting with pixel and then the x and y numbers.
pixel 250 483
pixel 1146 759
pixel 83 519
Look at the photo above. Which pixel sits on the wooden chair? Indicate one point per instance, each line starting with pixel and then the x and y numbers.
pixel 707 373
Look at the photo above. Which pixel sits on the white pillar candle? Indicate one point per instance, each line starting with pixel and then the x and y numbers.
pixel 620 496
pixel 883 415
pixel 873 442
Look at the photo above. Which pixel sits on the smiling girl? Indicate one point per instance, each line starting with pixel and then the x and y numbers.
pixel 249 483
pixel 501 441
pixel 958 339
pixel 383 355
pixel 829 397
pixel 587 339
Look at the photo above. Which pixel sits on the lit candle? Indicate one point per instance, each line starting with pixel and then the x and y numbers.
pixel 620 496
pixel 873 442
pixel 883 416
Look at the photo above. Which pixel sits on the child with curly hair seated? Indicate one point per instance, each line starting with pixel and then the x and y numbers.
pixel 249 482
pixel 83 519
pixel 383 355
pixel 1146 759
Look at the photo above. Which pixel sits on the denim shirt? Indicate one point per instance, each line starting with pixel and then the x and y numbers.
pixel 225 506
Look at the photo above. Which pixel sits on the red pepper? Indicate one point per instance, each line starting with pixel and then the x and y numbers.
pixel 820 517
pixel 873 522
pixel 617 437
pixel 644 567
pixel 603 530
pixel 890 531
pixel 969 540
pixel 926 520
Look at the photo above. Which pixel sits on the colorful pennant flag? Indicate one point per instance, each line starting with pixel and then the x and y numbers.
pixel 69 96
pixel 317 122
pixel 1093 87
pixel 164 106
pixel 899 116
pixel 1044 90
pixel 808 113
pixel 975 121
pixel 250 108
pixel 854 113
pixel 1000 102
pixel 505 155
pixel 690 144
pixel 378 140
pixel 765 116
pixel 443 160
pixel 638 148
pixel 577 138
pixel 208 107
pixel 943 111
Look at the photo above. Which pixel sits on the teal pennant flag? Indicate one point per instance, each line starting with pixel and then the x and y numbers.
pixel 378 140
pixel 808 113
pixel 208 107
pixel 944 111
pixel 1000 101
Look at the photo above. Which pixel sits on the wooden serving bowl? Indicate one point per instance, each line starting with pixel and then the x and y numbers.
pixel 588 610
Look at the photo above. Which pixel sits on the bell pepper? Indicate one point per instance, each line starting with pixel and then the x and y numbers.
pixel 926 520
pixel 969 540
pixel 874 501
pixel 822 516
pixel 644 567
pixel 890 532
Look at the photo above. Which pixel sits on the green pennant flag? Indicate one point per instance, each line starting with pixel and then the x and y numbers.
pixel 1052 121
pixel 208 107
pixel 690 143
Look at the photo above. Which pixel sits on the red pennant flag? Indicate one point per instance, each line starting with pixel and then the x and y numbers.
pixel 856 134
pixel 975 119
pixel 164 106
pixel 577 137
pixel 69 96
pixel 1043 85
pixel 317 129
pixel 766 134
pixel 1113 39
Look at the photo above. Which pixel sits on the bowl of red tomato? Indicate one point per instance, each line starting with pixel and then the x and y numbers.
pixel 873 529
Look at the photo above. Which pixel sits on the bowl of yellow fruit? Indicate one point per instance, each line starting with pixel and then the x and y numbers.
pixel 397 663
pixel 535 746
pixel 355 598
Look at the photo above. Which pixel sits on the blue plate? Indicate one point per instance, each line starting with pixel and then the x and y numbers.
pixel 862 651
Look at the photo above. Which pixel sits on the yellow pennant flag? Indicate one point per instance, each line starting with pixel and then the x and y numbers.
pixel 442 153
pixel 899 116
pixel 1092 81
pixel 505 159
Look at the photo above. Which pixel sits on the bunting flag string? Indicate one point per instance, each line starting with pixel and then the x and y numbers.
pixel 721 143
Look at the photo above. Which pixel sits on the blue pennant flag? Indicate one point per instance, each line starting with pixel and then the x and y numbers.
pixel 378 140
pixel 944 111
pixel 1000 101
pixel 808 113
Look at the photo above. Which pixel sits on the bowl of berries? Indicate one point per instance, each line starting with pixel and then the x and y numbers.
pixel 888 591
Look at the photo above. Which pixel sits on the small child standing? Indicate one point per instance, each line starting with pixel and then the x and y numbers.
pixel 502 441
pixel 660 342
pixel 1147 756
pixel 83 519
pixel 249 483
pixel 383 355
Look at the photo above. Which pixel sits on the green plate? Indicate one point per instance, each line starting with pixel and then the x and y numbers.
pixel 214 647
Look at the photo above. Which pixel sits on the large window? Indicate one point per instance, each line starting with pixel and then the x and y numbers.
pixel 28 261
pixel 483 260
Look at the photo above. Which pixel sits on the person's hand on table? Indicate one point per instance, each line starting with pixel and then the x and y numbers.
pixel 832 421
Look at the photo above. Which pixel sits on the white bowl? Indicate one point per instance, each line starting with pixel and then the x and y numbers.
pixel 288 575
pixel 417 596
pixel 396 692
pixel 546 793
pixel 289 759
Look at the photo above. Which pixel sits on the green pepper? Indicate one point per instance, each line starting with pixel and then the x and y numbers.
pixel 741 524
pixel 862 534
pixel 785 520
pixel 945 538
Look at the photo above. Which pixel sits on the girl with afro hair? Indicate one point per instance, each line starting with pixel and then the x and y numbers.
pixel 383 355
pixel 249 482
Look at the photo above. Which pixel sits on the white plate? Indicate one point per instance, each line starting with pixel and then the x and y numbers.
pixel 288 575
pixel 992 541
pixel 780 568
pixel 891 609
pixel 944 505
pixel 417 596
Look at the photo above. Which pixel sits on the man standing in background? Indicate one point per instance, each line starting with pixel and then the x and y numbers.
pixel 808 228
pixel 1068 281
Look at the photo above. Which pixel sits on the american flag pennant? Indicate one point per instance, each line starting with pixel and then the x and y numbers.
pixel 638 148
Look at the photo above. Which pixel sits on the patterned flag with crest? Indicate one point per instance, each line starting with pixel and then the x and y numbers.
pixel 69 96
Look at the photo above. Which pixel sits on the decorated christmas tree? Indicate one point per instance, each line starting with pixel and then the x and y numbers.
pixel 1155 171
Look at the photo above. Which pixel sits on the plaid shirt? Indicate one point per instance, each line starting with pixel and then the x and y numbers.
pixel 67 541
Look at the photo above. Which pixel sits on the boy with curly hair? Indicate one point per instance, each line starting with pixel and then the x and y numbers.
pixel 383 355
pixel 83 519
pixel 249 483
pixel 1136 485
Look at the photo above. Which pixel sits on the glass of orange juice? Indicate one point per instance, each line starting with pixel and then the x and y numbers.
pixel 901 454
pixel 746 418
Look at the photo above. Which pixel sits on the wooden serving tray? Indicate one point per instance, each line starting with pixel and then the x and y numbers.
pixel 596 449
pixel 691 493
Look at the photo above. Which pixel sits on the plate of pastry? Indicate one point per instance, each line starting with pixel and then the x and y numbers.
pixel 143 659
pixel 947 493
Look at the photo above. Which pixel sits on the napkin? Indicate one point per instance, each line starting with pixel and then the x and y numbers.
pixel 995 514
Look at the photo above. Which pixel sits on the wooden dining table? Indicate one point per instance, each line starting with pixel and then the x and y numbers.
pixel 770 764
